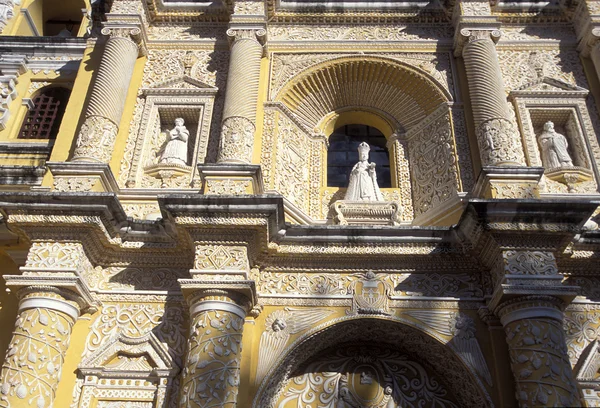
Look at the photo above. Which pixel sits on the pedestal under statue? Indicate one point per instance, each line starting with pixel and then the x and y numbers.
pixel 363 203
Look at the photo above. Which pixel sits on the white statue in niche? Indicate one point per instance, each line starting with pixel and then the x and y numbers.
pixel 176 149
pixel 363 179
pixel 554 148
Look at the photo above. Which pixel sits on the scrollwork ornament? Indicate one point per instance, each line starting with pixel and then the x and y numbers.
pixel 95 140
pixel 530 263
pixel 237 139
pixel 499 142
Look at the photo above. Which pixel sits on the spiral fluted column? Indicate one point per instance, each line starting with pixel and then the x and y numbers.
pixel 497 134
pixel 211 373
pixel 538 352
pixel 36 352
pixel 97 135
pixel 241 97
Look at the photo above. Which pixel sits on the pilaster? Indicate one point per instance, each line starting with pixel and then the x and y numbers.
pixel 97 135
pixel 52 296
pixel 498 138
pixel 220 296
pixel 529 298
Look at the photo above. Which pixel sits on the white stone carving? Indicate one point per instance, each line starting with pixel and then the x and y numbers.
pixel 176 149
pixel 363 179
pixel 467 347
pixel 554 148
pixel 279 327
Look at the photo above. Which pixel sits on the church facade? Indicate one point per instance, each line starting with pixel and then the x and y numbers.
pixel 299 203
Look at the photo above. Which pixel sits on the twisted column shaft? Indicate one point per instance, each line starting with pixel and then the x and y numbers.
pixel 98 133
pixel 211 373
pixel 32 369
pixel 497 135
pixel 241 97
pixel 538 352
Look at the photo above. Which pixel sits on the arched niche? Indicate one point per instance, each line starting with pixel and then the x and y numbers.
pixel 407 105
pixel 409 342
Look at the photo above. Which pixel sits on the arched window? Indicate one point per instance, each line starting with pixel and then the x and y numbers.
pixel 43 119
pixel 342 154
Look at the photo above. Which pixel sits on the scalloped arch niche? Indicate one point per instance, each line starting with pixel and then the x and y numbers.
pixel 401 94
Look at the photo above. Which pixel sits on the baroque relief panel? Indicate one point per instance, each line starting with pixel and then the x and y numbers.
pixel 357 376
pixel 292 160
pixel 433 161
pixel 542 74
pixel 177 73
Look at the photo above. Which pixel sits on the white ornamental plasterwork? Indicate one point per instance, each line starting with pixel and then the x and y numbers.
pixel 377 32
pixel 135 320
pixel 74 183
pixel 35 85
pixel 248 7
pixel 433 163
pixel 134 127
pixel 209 67
pixel 302 284
pixel 581 328
pixel 132 278
pixel 286 66
pixel 390 376
pixel 520 68
pixel 220 257
pixel 57 255
pixel 292 169
pixel 463 150
pixel 187 32
pixel 237 139
pixel 140 211
pixel 538 33
pixel 475 8
pixel 529 263
pixel 227 187
pixel 130 7
pixel 279 327
pixel 143 148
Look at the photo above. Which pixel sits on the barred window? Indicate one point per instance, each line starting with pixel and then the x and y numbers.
pixel 43 120
pixel 342 154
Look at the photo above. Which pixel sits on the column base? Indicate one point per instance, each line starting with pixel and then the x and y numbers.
pixel 508 182
pixel 230 179
pixel 83 176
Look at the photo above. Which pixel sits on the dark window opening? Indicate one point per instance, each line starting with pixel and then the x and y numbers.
pixel 342 154
pixel 43 120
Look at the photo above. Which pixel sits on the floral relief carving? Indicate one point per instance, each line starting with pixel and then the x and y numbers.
pixel 227 187
pixel 237 140
pixel 540 363
pixel 56 255
pixel 523 67
pixel 405 284
pixel 433 164
pixel 292 163
pixel 131 278
pixel 219 257
pixel 392 377
pixel 74 183
pixel 212 372
pixel 165 321
pixel 96 139
pixel 357 33
pixel 33 366
pixel 530 263
pixel 581 328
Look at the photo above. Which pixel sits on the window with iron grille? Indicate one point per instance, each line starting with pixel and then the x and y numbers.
pixel 43 120
pixel 342 154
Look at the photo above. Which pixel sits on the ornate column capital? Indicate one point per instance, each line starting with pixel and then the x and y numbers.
pixel 257 34
pixel 55 267
pixel 469 35
pixel 586 21
pixel 127 32
pixel 520 273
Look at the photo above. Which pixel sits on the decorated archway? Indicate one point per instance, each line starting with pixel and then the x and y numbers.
pixel 371 362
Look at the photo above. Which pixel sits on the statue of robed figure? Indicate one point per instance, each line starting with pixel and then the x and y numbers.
pixel 363 179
